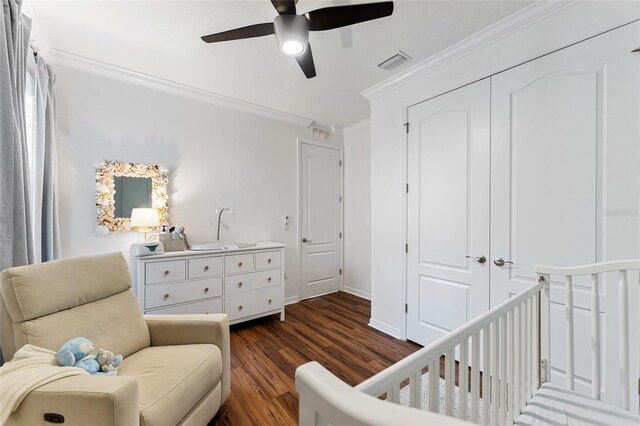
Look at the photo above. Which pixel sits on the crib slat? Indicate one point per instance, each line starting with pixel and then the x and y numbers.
pixel 623 339
pixel 595 337
pixel 517 365
pixel 415 388
pixel 527 352
pixel 511 369
pixel 495 336
pixel 463 384
pixel 449 382
pixel 503 370
pixel 486 373
pixel 535 362
pixel 475 359
pixel 393 394
pixel 568 313
pixel 434 388
pixel 522 399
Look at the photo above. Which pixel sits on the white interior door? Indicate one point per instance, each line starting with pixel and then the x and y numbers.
pixel 448 212
pixel 320 200
pixel 564 152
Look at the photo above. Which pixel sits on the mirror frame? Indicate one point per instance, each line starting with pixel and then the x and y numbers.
pixel 105 191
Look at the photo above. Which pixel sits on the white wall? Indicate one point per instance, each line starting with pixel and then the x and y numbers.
pixel 388 138
pixel 215 157
pixel 357 209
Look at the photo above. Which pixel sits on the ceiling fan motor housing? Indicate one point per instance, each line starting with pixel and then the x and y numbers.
pixel 291 28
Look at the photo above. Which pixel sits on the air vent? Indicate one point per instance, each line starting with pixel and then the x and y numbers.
pixel 322 134
pixel 394 61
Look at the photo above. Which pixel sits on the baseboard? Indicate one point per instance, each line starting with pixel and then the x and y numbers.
pixel 291 300
pixel 385 328
pixel 356 292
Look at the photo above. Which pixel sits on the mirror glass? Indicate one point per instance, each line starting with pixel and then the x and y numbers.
pixel 131 192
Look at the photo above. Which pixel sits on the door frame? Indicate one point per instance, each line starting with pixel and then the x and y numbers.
pixel 340 149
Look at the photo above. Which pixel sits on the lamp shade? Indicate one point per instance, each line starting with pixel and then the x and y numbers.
pixel 144 218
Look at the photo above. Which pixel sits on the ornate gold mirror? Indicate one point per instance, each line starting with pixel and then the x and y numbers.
pixel 121 187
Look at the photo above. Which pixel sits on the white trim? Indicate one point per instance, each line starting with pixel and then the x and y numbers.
pixel 291 300
pixel 503 28
pixel 71 60
pixel 356 292
pixel 385 328
pixel 357 126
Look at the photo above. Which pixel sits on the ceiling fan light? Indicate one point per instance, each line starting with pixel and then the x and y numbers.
pixel 292 47
pixel 292 34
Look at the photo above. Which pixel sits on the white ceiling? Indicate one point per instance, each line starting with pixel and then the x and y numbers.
pixel 162 39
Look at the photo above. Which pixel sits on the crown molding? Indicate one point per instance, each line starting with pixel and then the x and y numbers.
pixel 503 28
pixel 71 60
pixel 357 126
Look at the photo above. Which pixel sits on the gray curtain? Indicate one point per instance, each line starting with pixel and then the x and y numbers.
pixel 47 231
pixel 16 243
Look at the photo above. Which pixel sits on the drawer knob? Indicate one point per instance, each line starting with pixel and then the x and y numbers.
pixel 268 260
pixel 240 307
pixel 166 296
pixel 239 264
pixel 269 301
pixel 239 284
pixel 206 268
pixel 206 290
pixel 269 279
pixel 165 273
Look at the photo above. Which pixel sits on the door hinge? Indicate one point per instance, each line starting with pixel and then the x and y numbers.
pixel 340 234
pixel 407 188
pixel 406 126
pixel 340 271
pixel 341 198
pixel 639 379
pixel 406 248
pixel 406 308
pixel 340 163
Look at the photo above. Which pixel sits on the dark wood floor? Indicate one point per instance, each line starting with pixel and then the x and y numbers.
pixel 265 353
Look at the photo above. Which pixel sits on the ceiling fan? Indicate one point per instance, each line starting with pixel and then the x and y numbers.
pixel 292 30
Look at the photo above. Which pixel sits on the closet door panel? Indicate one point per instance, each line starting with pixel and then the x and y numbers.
pixel 448 204
pixel 563 143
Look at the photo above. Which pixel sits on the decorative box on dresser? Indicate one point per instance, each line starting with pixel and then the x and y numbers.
pixel 244 283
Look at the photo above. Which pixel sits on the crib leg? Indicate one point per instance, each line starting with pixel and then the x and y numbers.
pixel 545 328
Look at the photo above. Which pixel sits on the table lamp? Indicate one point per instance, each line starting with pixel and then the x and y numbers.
pixel 144 220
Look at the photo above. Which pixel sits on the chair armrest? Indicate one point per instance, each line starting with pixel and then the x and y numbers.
pixel 82 400
pixel 168 330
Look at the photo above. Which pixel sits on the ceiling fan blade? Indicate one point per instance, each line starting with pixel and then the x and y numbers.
pixel 285 7
pixel 257 30
pixel 329 18
pixel 306 62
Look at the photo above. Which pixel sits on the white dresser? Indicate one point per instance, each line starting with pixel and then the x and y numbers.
pixel 243 283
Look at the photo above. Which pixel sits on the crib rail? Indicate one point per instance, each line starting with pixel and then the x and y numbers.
pixel 502 344
pixel 595 271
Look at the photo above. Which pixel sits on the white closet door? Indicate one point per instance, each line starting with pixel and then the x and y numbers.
pixel 448 212
pixel 564 155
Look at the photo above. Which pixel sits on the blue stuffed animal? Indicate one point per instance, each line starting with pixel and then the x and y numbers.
pixel 78 352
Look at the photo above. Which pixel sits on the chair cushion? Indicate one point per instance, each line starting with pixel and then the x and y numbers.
pixel 172 379
pixel 555 405
pixel 37 290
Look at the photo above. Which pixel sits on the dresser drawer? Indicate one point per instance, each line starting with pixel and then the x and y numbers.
pixel 205 267
pixel 238 263
pixel 251 281
pixel 253 303
pixel 267 259
pixel 211 306
pixel 164 272
pixel 171 294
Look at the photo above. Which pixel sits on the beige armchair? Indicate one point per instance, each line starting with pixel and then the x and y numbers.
pixel 176 368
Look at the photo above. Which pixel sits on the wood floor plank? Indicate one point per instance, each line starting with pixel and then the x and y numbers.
pixel 265 353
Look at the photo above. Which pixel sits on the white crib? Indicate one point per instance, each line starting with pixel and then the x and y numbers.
pixel 506 350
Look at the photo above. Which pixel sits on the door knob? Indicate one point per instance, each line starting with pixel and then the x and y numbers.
pixel 479 259
pixel 498 261
pixel 304 240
